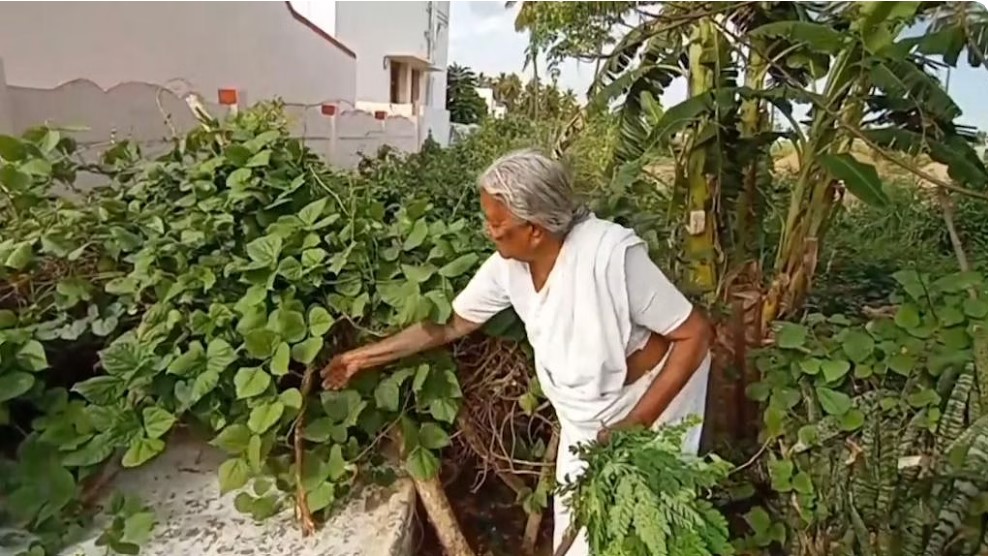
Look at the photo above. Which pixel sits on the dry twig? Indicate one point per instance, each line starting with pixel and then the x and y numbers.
pixel 302 512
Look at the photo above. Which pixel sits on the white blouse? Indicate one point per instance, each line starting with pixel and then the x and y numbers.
pixel 602 268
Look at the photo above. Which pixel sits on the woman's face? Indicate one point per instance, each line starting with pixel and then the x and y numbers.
pixel 513 238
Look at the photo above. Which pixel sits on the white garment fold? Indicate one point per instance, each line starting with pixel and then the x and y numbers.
pixel 690 401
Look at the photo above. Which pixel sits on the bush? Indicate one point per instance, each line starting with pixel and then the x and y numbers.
pixel 875 432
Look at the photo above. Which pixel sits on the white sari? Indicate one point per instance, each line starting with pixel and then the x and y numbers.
pixel 598 305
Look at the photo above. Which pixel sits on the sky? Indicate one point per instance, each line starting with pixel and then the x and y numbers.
pixel 483 37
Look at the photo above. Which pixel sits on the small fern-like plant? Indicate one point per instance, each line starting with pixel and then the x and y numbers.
pixel 642 496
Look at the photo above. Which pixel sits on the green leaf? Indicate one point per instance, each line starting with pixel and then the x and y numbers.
pixel 141 450
pixel 310 213
pixel 790 336
pixel 292 398
pixel 20 257
pixel 100 390
pixel 190 361
pixel 816 35
pixel 861 179
pixel 238 178
pixel 137 528
pixel 858 345
pixel 36 167
pixel 254 453
pixel 264 416
pixel 336 464
pixel 834 370
pixel 422 464
pixel 459 266
pixel 259 160
pixel 157 421
pixel 386 395
pixel 443 409
pixel 319 430
pixel 418 273
pixel 529 403
pixel 234 474
pixel 433 437
pixel 923 398
pixel 418 234
pixel 320 497
pixel 306 352
pixel 32 357
pixel 219 355
pixel 203 384
pixel 976 308
pixel 12 149
pixel 250 382
pixel 281 360
pixel 233 439
pixel 802 483
pixel 780 471
pixel 810 366
pixel 15 384
pixel 122 358
pixel 907 316
pixel 759 520
pixel 902 364
pixel 261 343
pixel 832 401
pixel 265 250
pixel 320 321
pixel 852 420
pixel 290 325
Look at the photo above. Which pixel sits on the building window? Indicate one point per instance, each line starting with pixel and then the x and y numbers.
pixel 395 82
pixel 416 86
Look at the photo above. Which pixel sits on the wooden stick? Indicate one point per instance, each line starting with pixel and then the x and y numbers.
pixel 437 507
pixel 567 543
pixel 531 538
pixel 302 512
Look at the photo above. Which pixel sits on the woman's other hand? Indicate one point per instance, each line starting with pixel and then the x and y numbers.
pixel 629 422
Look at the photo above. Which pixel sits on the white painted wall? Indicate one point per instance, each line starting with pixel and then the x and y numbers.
pixel 258 47
pixel 375 30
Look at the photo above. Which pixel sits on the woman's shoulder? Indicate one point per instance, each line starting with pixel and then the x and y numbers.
pixel 602 232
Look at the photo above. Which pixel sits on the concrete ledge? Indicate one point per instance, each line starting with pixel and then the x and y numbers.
pixel 181 487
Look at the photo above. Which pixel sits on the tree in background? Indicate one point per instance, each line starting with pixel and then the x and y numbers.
pixel 462 100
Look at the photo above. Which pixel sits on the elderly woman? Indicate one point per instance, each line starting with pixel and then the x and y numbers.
pixel 616 344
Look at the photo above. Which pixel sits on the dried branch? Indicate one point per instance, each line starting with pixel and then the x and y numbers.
pixel 302 512
pixel 534 522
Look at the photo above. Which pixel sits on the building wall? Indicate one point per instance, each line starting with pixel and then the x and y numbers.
pixel 261 48
pixel 150 115
pixel 376 30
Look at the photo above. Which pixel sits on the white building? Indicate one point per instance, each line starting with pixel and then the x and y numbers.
pixel 402 52
pixel 373 56
pixel 494 108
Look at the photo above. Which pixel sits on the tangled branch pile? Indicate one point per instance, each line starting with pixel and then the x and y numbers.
pixel 640 495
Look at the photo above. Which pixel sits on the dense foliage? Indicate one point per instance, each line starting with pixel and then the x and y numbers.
pixel 214 278
pixel 875 430
pixel 640 495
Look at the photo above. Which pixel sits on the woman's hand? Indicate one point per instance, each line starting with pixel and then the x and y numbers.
pixel 629 422
pixel 338 372
pixel 412 340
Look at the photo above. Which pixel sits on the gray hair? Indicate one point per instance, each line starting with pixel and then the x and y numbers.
pixel 534 188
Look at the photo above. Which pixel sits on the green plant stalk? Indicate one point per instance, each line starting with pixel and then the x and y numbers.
pixel 753 121
pixel 700 242
pixel 811 204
